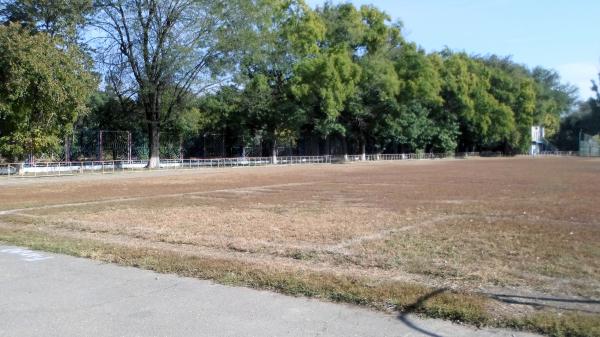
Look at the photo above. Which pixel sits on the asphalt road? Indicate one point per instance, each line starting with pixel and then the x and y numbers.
pixel 53 295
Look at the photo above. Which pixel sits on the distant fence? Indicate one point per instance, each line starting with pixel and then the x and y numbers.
pixel 410 156
pixel 557 154
pixel 48 169
pixel 589 146
pixel 41 169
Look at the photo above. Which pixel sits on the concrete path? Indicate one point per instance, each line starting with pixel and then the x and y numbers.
pixel 53 295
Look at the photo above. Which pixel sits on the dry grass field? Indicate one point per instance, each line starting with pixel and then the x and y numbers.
pixel 505 242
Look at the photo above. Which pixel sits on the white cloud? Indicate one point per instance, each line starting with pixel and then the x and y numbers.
pixel 580 75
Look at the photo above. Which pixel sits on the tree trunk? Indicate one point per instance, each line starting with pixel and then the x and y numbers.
pixel 67 149
pixel 274 151
pixel 363 150
pixel 20 169
pixel 153 107
pixel 154 150
pixel 181 147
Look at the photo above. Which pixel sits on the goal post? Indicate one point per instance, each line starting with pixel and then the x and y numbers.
pixel 114 145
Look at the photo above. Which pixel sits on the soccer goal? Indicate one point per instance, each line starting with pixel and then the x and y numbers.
pixel 114 145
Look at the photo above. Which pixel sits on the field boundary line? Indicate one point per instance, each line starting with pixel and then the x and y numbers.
pixel 126 199
pixel 344 245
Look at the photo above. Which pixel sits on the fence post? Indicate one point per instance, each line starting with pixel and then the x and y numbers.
pixel 129 145
pixel 100 150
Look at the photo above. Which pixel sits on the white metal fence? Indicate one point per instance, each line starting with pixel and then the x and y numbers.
pixel 41 169
pixel 557 154
pixel 410 156
pixel 589 146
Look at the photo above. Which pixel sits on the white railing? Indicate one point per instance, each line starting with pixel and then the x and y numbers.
pixel 41 169
pixel 557 154
pixel 410 156
pixel 48 169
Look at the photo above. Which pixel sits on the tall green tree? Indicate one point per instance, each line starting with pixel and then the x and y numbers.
pixel 166 50
pixel 513 92
pixel 584 119
pixel 324 84
pixel 457 95
pixel 420 102
pixel 366 35
pixel 289 33
pixel 43 88
pixel 553 99
pixel 380 84
pixel 368 113
pixel 491 100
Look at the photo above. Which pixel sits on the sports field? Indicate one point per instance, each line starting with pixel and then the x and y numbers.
pixel 505 242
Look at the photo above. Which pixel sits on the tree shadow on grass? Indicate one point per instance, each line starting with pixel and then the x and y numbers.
pixel 415 307
pixel 581 305
pixel 539 302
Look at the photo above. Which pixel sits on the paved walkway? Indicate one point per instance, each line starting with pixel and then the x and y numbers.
pixel 53 295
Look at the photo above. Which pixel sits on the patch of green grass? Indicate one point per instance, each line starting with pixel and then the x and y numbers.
pixel 559 325
pixel 298 254
pixel 402 296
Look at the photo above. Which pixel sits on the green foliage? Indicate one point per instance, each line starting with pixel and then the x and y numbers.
pixel 343 25
pixel 553 99
pixel 108 112
pixel 420 116
pixel 220 109
pixel 164 51
pixel 413 127
pixel 369 111
pixel 43 88
pixel 419 77
pixel 346 71
pixel 377 31
pixel 289 32
pixel 335 71
pixel 585 119
pixel 297 27
pixel 362 40
pixel 323 84
pixel 58 18
pixel 494 101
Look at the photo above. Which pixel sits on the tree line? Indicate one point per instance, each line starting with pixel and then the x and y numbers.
pixel 274 70
pixel 585 119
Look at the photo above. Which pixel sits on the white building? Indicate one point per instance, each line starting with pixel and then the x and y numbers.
pixel 537 139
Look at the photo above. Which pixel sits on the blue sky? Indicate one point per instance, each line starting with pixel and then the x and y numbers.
pixel 557 34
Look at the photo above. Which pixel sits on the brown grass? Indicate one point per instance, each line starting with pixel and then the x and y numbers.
pixel 521 225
